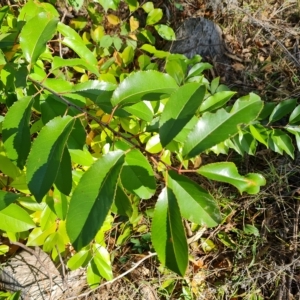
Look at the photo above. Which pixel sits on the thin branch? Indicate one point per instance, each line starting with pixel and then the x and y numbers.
pixel 62 268
pixel 115 279
pixel 82 110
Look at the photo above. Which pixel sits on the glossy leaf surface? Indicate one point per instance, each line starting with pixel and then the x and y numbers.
pixel 92 199
pixel 168 236
pixel 46 155
pixel 33 38
pixel 143 85
pixel 7 198
pixel 16 131
pixel 228 172
pixel 179 110
pixel 196 204
pixel 73 40
pixel 213 128
pixel 137 175
pixel 74 62
pixel 282 109
pixel 14 218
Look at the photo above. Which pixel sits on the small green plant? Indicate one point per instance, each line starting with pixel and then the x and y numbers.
pixel 93 128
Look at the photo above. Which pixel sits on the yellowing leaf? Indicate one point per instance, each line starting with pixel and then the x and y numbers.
pixel 113 19
pixel 132 36
pixel 97 33
pixel 134 24
pixel 118 58
pixel 10 54
pixel 106 118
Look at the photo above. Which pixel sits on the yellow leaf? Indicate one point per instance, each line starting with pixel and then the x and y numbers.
pixel 84 78
pixel 90 137
pixel 97 33
pixel 99 112
pixel 134 24
pixel 132 36
pixel 113 20
pixel 10 54
pixel 106 118
pixel 118 58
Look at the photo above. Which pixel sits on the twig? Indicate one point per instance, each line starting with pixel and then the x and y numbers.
pixel 38 259
pixel 62 268
pixel 115 279
pixel 105 125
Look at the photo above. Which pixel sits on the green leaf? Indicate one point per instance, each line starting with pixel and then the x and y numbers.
pixel 52 107
pixel 77 137
pixel 295 116
pixel 198 69
pixel 250 229
pixel 38 236
pixel 77 4
pixel 16 131
pixel 280 141
pixel 143 85
pixel 7 198
pixel 81 157
pixel 97 91
pixel 153 144
pixel 176 68
pixel 98 185
pixel 13 218
pixel 33 38
pixel 63 180
pixel 179 110
pixel 195 204
pixel 127 55
pixel 46 155
pixel 216 101
pixel 4 249
pixel 59 62
pixel 168 236
pixel 78 260
pixel 58 204
pixel 137 175
pixel 7 167
pixel 133 4
pixel 106 4
pixel 3 12
pixel 142 110
pixel 148 6
pixel 267 110
pixel 73 40
pixel 92 274
pixel 282 109
pixel 260 133
pixel 157 53
pixel 295 130
pixel 214 128
pixel 103 263
pixel 154 16
pixel 227 172
pixel 122 205
pixel 57 85
pixel 166 32
pixel 32 9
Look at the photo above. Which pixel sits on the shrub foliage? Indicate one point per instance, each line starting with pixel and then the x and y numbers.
pixel 96 119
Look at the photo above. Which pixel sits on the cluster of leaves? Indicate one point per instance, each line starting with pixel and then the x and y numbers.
pixel 92 128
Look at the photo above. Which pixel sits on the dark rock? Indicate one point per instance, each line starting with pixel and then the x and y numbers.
pixel 199 36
